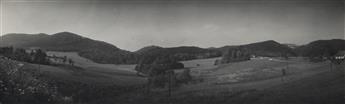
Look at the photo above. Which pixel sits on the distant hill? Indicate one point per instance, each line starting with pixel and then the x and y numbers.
pixel 102 52
pixel 97 51
pixel 179 53
pixel 265 48
pixel 321 48
pixel 148 49
pixel 269 48
pixel 224 48
pixel 292 46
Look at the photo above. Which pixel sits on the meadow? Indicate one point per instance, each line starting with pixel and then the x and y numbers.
pixel 259 80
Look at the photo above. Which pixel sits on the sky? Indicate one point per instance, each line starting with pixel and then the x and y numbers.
pixel 133 24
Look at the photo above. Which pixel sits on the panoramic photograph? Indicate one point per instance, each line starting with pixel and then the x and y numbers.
pixel 172 52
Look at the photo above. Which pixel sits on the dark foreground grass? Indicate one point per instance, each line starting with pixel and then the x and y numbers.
pixel 323 88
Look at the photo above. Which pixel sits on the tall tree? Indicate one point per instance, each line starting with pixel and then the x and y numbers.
pixel 40 57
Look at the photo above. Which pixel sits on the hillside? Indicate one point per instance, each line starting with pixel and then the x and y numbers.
pixel 265 48
pixel 321 48
pixel 180 53
pixel 97 51
pixel 269 48
pixel 148 49
pixel 257 81
pixel 292 46
pixel 102 52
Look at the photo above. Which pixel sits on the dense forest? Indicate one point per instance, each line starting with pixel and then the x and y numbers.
pixel 321 48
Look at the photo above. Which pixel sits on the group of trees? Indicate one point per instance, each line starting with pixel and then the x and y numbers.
pixel 160 71
pixel 235 55
pixel 34 56
pixel 29 86
pixel 123 57
pixel 24 86
pixel 63 60
pixel 114 57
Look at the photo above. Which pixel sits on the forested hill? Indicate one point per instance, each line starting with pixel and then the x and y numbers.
pixel 179 53
pixel 102 52
pixel 97 51
pixel 148 49
pixel 264 48
pixel 321 48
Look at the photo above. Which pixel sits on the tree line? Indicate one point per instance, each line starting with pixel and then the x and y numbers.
pixel 160 71
pixel 36 56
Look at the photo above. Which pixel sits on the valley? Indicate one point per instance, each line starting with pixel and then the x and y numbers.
pixel 82 70
pixel 226 83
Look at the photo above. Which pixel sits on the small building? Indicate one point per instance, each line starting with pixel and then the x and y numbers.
pixel 32 49
pixel 56 59
pixel 339 57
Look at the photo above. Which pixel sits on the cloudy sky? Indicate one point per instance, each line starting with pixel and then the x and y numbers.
pixel 133 24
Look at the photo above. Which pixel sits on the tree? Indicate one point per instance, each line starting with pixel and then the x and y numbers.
pixel 64 59
pixel 40 57
pixel 7 51
pixel 71 62
pixel 235 54
pixel 21 55
pixel 216 62
pixel 184 77
pixel 157 69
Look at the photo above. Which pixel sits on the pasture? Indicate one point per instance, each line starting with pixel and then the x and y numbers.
pixel 90 72
pixel 258 80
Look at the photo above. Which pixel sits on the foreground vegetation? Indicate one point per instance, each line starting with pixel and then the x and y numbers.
pixel 307 83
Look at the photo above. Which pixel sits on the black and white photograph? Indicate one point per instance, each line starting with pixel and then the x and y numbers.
pixel 172 52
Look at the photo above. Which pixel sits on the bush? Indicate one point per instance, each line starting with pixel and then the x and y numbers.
pixel 18 86
pixel 158 69
pixel 184 77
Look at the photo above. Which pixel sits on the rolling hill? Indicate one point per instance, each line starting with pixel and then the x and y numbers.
pixel 148 49
pixel 264 48
pixel 180 53
pixel 321 48
pixel 102 52
pixel 98 51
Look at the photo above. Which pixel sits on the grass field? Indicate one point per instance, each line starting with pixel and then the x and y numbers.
pixel 87 71
pixel 257 81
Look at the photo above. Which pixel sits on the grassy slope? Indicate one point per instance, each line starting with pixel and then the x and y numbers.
pixel 254 72
pixel 86 76
pixel 322 88
pixel 87 71
pixel 86 63
pixel 306 83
